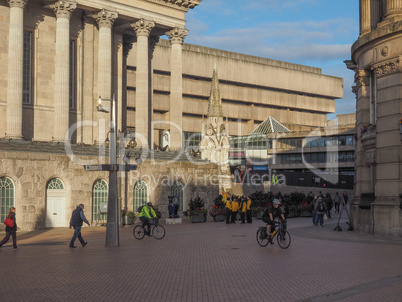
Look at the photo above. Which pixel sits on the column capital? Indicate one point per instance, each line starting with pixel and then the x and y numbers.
pixel 362 78
pixel 177 35
pixel 143 27
pixel 63 9
pixel 105 18
pixel 17 3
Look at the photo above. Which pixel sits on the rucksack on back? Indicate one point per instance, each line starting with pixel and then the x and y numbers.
pixel 320 206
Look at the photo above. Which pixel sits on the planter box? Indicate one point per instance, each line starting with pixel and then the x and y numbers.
pixel 220 217
pixel 198 218
pixel 127 220
pixel 259 215
pixel 291 212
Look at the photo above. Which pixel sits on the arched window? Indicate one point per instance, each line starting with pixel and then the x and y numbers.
pixel 6 196
pixel 99 199
pixel 140 194
pixel 177 189
pixel 55 184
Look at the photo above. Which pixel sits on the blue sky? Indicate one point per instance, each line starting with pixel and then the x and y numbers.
pixel 316 33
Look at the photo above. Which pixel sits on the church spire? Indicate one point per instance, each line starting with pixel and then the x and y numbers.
pixel 215 102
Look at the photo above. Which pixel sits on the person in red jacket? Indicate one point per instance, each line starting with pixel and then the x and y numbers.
pixel 11 231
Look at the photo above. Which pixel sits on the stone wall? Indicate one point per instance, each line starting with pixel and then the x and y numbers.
pixel 31 171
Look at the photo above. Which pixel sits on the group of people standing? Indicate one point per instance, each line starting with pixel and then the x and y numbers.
pixel 322 206
pixel 236 204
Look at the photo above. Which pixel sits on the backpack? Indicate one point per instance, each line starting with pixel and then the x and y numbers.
pixel 320 206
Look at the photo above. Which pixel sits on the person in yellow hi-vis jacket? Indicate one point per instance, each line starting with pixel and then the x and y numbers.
pixel 243 209
pixel 235 209
pixel 248 209
pixel 228 206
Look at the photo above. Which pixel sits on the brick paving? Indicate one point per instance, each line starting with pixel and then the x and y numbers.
pixel 203 262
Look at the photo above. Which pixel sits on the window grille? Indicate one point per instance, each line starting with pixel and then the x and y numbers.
pixel 140 195
pixel 6 196
pixel 99 195
pixel 55 184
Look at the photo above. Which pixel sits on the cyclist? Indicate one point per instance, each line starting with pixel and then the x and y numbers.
pixel 270 214
pixel 147 213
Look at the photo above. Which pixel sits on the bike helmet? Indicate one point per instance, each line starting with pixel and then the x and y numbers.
pixel 149 204
pixel 276 201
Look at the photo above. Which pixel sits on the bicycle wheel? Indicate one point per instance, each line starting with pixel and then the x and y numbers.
pixel 158 232
pixel 139 232
pixel 262 237
pixel 283 239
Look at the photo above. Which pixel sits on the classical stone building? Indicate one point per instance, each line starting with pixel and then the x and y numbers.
pixel 58 57
pixel 376 61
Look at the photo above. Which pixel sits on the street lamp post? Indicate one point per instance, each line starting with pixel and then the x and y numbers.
pixel 112 225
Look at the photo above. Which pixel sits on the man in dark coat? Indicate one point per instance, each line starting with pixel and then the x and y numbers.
pixel 77 218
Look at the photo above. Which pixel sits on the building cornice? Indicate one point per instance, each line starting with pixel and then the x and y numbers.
pixel 389 29
pixel 184 5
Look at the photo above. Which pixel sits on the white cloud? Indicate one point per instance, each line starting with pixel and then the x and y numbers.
pixel 278 5
pixel 314 42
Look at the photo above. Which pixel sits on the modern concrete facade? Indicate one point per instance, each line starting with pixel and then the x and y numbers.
pixel 251 89
pixel 322 158
pixel 58 57
pixel 376 61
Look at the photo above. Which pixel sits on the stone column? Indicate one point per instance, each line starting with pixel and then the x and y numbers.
pixel 375 16
pixel 362 80
pixel 176 36
pixel 152 44
pixel 142 29
pixel 365 15
pixel 15 68
pixel 105 21
pixel 63 11
pixel 393 8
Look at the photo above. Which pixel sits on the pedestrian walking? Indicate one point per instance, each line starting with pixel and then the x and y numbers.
pixel 329 203
pixel 320 209
pixel 345 197
pixel 11 231
pixel 76 221
pixel 313 205
pixel 337 202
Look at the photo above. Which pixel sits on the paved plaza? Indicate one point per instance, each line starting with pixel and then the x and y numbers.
pixel 208 261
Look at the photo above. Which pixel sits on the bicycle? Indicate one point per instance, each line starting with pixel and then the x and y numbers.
pixel 157 231
pixel 283 236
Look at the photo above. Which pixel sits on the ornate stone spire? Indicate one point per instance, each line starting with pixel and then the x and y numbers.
pixel 215 102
